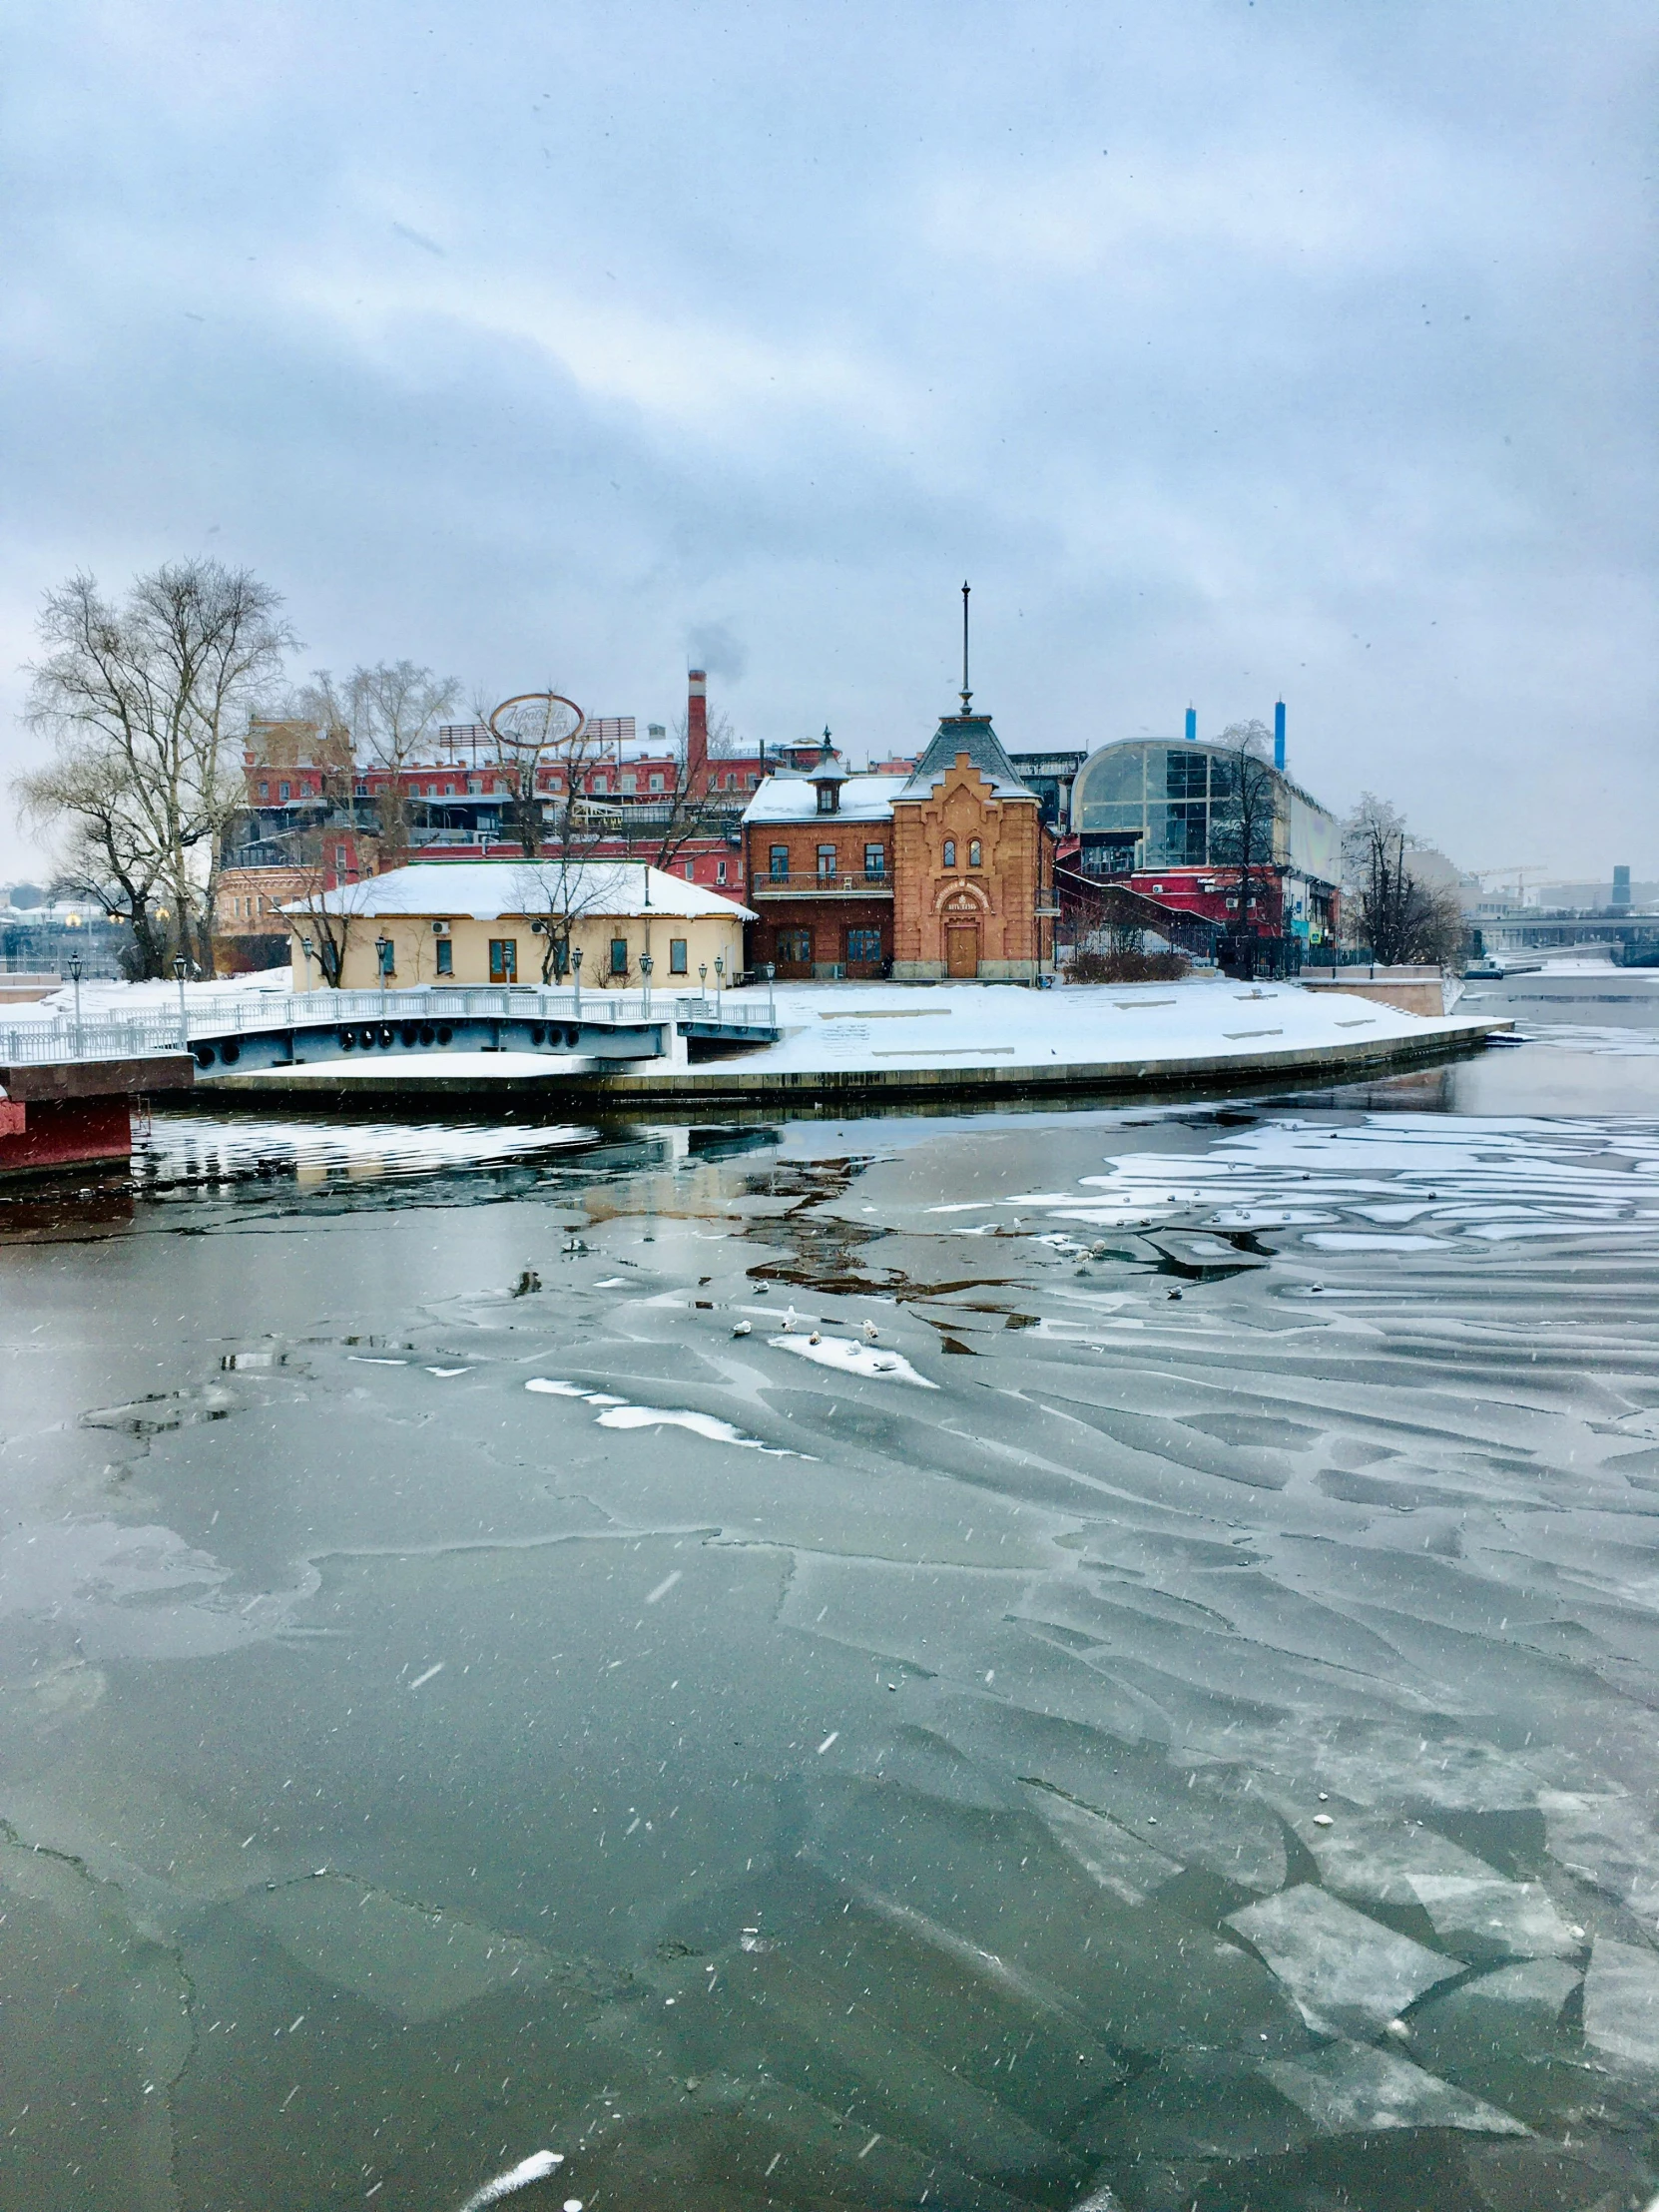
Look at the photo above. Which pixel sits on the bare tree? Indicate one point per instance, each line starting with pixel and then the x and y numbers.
pixel 1242 825
pixel 382 718
pixel 142 698
pixel 1398 916
pixel 325 912
pixel 108 855
pixel 556 890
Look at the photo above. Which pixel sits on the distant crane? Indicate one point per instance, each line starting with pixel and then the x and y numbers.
pixel 1518 870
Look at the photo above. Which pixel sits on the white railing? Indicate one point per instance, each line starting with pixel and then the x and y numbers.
pixel 246 1013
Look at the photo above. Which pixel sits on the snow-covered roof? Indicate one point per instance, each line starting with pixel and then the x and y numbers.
pixel 484 890
pixel 792 798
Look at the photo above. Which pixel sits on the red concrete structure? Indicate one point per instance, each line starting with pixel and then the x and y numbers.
pixel 72 1115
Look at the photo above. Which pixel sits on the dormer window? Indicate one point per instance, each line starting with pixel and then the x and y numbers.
pixel 829 798
pixel 950 851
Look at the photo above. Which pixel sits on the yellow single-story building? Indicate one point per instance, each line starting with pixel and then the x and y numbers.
pixel 505 922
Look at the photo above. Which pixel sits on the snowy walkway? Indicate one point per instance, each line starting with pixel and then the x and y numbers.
pixel 887 1037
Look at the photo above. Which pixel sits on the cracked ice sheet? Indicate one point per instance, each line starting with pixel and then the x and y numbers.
pixel 1344 1969
pixel 415 1962
pixel 1444 1456
pixel 1350 2089
pixel 1461 1175
pixel 1467 1902
pixel 1622 2003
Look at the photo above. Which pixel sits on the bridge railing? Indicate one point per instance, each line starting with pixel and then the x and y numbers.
pixel 163 1029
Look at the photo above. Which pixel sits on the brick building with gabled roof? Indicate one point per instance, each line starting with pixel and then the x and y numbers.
pixel 946 871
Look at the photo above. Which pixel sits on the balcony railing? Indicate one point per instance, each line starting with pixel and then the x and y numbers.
pixel 810 883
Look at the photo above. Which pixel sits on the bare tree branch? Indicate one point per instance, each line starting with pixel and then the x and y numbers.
pixel 138 702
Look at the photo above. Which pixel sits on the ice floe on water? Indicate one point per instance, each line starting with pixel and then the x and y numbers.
pixel 1344 1969
pixel 853 1357
pixel 1471 1908
pixel 1185 1752
pixel 1455 1175
pixel 414 1962
pixel 1621 2004
pixel 1353 2089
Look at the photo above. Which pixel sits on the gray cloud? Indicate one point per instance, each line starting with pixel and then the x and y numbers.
pixel 1232 351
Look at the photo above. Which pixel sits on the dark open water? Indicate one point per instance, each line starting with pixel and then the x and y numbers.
pixel 1170 1722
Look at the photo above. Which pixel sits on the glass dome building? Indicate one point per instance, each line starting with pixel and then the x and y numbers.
pixel 1163 816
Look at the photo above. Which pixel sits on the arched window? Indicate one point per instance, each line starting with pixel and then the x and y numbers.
pixel 950 851
pixel 974 853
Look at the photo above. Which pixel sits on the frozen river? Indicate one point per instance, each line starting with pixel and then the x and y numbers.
pixel 1103 1657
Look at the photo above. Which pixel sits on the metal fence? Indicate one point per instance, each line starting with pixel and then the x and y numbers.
pixel 793 883
pixel 242 1013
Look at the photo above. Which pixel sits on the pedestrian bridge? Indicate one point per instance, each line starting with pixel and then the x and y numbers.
pixel 247 1032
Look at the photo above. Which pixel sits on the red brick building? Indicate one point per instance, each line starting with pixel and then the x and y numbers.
pixel 946 871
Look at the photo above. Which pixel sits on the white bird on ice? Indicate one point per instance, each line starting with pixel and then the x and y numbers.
pixel 742 1328
pixel 789 1319
pixel 871 1332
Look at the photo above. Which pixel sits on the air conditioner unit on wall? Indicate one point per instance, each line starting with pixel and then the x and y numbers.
pixel 440 929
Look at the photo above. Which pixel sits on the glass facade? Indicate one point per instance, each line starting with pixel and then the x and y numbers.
pixel 1158 805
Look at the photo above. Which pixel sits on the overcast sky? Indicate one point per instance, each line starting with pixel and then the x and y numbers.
pixel 1231 350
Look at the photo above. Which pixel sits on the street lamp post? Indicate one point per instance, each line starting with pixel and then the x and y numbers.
pixel 75 972
pixel 702 979
pixel 179 967
pixel 645 970
pixel 772 1011
pixel 720 980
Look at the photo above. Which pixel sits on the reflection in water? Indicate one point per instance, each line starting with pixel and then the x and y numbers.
pixel 1198 1750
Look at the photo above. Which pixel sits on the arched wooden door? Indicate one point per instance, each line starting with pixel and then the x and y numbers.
pixel 961 947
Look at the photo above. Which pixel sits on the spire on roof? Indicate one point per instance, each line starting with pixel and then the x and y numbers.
pixel 966 694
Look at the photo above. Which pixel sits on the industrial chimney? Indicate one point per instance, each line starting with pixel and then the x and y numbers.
pixel 697 729
pixel 1278 735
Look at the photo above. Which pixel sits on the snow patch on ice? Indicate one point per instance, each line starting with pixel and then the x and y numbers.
pixel 855 1358
pixel 620 1412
